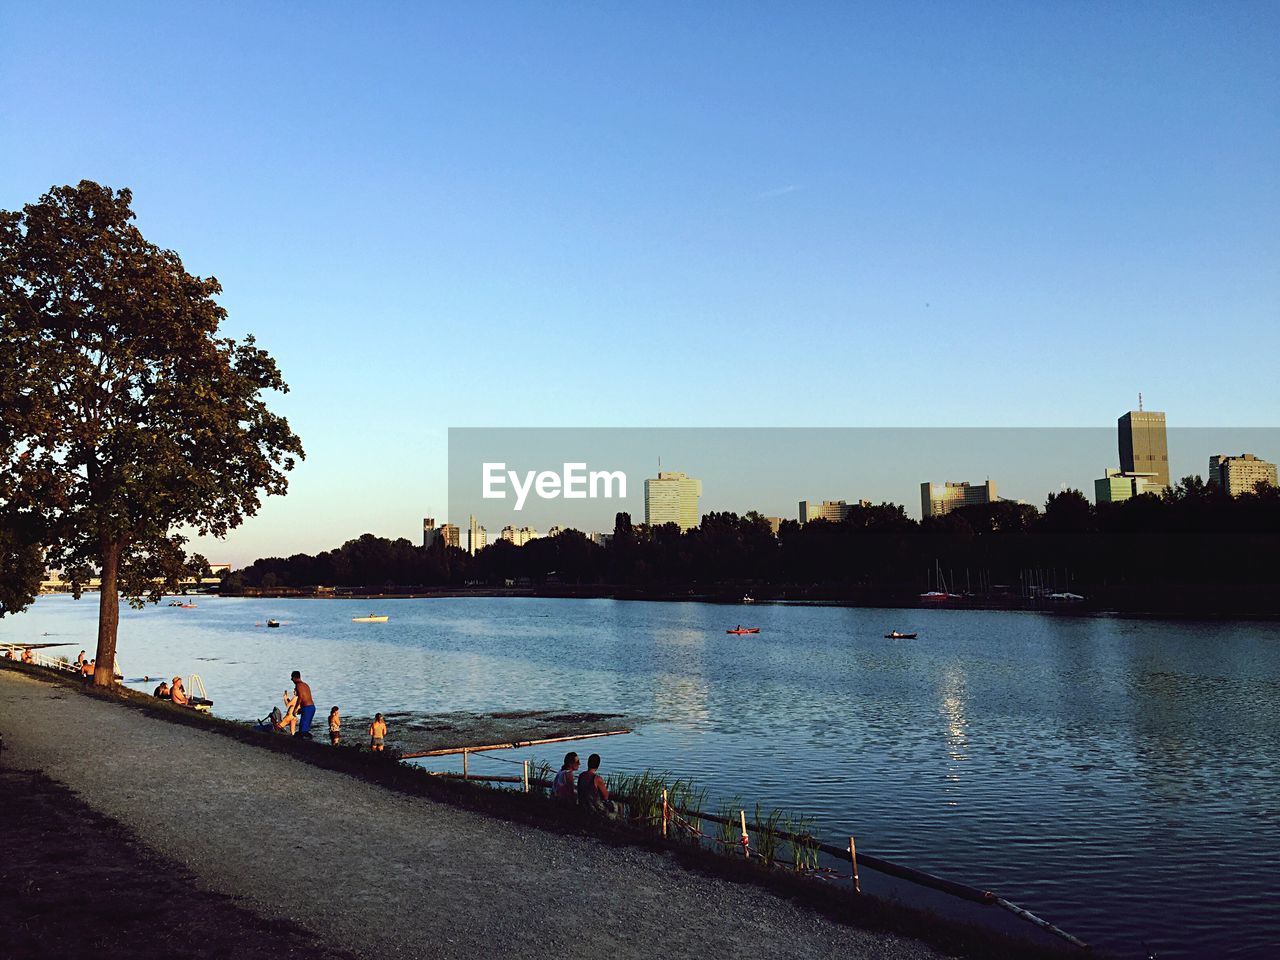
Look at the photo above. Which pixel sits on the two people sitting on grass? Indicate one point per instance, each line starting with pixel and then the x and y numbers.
pixel 590 792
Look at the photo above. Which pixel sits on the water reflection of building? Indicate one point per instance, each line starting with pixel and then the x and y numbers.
pixel 954 703
pixel 681 695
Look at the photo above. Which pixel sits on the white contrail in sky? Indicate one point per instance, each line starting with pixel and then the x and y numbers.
pixel 779 191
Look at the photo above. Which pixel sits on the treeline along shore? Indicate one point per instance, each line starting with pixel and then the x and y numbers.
pixel 1193 551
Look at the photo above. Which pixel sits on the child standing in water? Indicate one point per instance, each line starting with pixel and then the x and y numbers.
pixel 334 723
pixel 377 731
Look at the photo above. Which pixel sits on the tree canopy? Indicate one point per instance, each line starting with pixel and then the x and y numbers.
pixel 128 418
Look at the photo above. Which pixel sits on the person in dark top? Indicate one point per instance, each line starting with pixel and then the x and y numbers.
pixel 593 792
pixel 162 691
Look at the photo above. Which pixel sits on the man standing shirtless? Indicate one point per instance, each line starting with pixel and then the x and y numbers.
pixel 307 705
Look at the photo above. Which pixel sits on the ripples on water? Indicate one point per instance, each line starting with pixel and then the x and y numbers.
pixel 1120 777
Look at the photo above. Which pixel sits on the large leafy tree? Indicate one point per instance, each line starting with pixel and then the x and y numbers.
pixel 128 419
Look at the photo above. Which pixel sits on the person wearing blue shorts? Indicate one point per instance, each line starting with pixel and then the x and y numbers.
pixel 306 704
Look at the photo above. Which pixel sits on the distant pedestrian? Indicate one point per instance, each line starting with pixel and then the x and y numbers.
pixel 79 659
pixel 335 724
pixel 593 792
pixel 562 786
pixel 306 705
pixel 377 734
pixel 87 668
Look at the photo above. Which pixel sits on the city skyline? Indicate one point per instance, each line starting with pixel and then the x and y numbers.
pixel 1066 454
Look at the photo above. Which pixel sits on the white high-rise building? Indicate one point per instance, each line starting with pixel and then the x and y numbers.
pixel 1240 474
pixel 519 535
pixel 672 498
pixel 939 499
pixel 477 537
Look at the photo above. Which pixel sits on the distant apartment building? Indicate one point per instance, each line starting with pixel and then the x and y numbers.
pixel 939 499
pixel 1117 485
pixel 600 539
pixel 1144 445
pixel 1240 474
pixel 519 535
pixel 477 536
pixel 430 532
pixel 775 524
pixel 672 498
pixel 832 510
pixel 451 535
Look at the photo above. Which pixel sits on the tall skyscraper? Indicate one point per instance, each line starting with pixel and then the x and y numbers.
pixel 672 498
pixel 1240 474
pixel 477 536
pixel 939 499
pixel 1144 447
pixel 429 531
pixel 451 535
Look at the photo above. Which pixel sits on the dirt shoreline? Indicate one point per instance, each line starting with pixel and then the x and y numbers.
pixel 616 883
pixel 73 880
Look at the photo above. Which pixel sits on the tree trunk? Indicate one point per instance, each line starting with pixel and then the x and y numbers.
pixel 104 673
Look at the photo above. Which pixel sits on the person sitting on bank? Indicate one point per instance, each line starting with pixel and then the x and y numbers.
pixel 162 691
pixel 178 693
pixel 290 719
pixel 562 786
pixel 593 792
pixel 27 655
pixel 80 659
pixel 377 734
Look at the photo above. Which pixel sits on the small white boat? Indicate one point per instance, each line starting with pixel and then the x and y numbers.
pixel 371 618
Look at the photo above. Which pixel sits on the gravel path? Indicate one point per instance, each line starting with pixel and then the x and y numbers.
pixel 389 876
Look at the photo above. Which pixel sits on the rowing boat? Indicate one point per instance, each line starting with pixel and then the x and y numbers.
pixel 371 618
pixel 742 630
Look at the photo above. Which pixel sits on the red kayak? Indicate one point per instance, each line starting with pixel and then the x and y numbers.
pixel 741 630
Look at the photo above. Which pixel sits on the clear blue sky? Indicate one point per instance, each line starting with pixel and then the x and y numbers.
pixel 707 214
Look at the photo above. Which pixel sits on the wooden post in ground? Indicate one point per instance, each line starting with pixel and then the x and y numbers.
pixel 746 839
pixel 664 812
pixel 464 764
pixel 525 768
pixel 853 858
